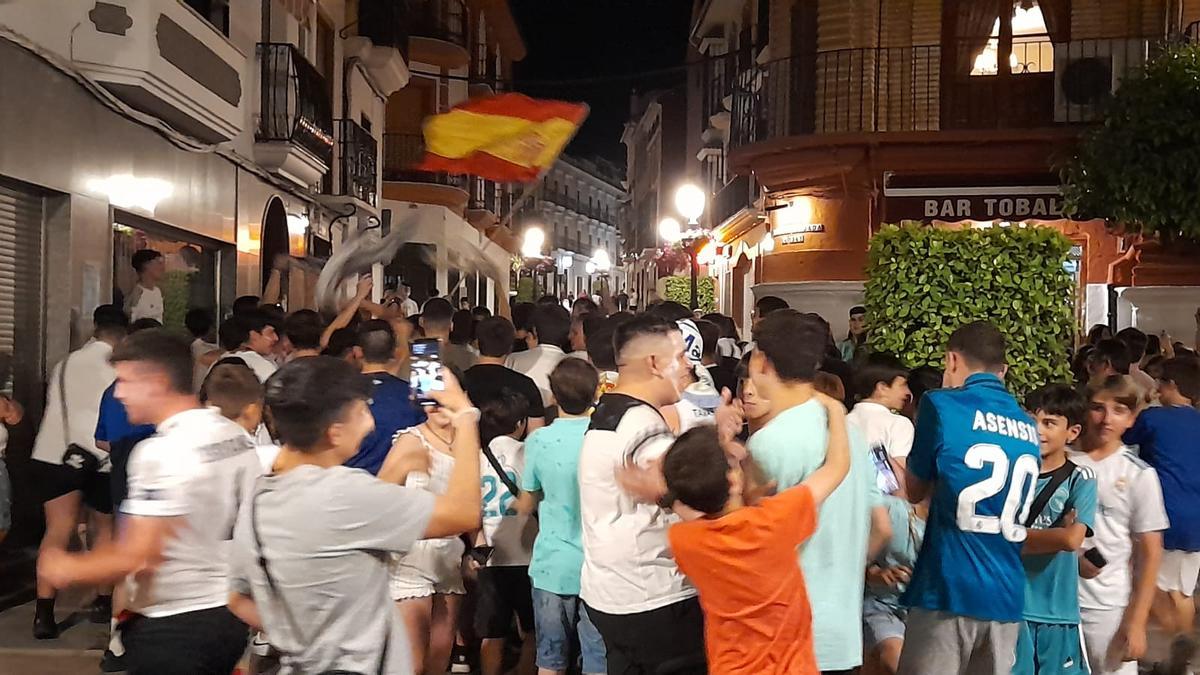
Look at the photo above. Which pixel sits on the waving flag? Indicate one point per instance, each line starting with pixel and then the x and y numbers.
pixel 507 138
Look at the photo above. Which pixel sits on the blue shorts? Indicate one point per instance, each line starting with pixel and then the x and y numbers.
pixel 1050 649
pixel 882 622
pixel 556 617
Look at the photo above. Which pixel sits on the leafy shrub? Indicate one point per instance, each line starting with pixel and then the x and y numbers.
pixel 679 289
pixel 1139 168
pixel 923 283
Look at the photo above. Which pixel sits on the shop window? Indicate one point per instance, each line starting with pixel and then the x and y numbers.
pixel 190 269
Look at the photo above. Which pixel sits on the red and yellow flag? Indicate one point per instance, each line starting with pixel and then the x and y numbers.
pixel 508 138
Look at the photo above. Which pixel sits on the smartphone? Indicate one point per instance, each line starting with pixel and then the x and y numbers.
pixel 1094 556
pixel 426 370
pixel 885 476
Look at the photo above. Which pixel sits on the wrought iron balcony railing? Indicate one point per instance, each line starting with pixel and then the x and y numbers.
pixel 402 152
pixel 295 105
pixel 359 165
pixel 962 85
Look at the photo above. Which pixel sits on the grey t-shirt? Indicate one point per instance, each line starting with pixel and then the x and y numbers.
pixel 325 535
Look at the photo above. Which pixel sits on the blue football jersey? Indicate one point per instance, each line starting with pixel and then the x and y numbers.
pixel 979 450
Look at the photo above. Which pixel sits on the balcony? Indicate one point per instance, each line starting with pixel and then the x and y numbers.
pixel 295 121
pixel 401 153
pixel 934 88
pixel 437 32
pixel 382 43
pixel 732 199
pixel 158 56
pixel 358 162
pixel 718 77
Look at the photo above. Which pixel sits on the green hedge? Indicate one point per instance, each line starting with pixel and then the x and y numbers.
pixel 679 289
pixel 925 282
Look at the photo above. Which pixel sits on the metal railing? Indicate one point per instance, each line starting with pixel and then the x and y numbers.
pixel 438 19
pixel 964 85
pixel 732 198
pixel 385 23
pixel 295 105
pixel 717 78
pixel 359 163
pixel 402 152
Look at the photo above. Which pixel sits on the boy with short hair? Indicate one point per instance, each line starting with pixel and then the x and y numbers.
pixel 234 390
pixel 1166 437
pixel 551 478
pixel 881 388
pixel 145 299
pixel 1061 515
pixel 742 558
pixel 1114 604
pixel 503 587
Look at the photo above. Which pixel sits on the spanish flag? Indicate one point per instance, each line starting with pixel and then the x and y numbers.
pixel 507 138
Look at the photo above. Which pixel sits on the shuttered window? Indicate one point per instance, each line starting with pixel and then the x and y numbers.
pixel 22 295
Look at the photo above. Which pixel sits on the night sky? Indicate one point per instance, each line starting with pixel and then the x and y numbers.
pixel 573 39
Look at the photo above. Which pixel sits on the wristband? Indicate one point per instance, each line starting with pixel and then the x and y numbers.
pixel 473 411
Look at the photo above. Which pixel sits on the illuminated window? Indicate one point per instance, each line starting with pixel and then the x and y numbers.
pixel 1032 50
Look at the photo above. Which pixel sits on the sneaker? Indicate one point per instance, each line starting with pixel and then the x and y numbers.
pixel 459 662
pixel 44 626
pixel 111 663
pixel 101 609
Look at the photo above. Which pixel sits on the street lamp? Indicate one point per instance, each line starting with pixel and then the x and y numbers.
pixel 689 201
pixel 531 246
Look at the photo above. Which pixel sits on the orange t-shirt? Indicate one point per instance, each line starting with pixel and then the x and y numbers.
pixel 745 564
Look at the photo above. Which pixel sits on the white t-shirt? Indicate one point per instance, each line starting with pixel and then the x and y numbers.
pixel 1129 502
pixel 883 428
pixel 200 347
pixel 261 365
pixel 145 303
pixel 410 307
pixel 88 374
pixel 627 562
pixel 198 467
pixel 536 364
pixel 511 534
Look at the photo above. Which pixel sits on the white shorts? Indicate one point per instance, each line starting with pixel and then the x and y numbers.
pixel 1099 626
pixel 432 566
pixel 1179 572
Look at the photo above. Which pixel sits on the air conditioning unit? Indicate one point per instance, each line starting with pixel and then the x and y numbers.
pixel 1087 72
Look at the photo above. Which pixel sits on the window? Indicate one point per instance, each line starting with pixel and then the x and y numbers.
pixel 190 277
pixel 1025 34
pixel 215 12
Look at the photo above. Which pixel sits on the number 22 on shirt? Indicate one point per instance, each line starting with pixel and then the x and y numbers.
pixel 1011 522
pixel 497 499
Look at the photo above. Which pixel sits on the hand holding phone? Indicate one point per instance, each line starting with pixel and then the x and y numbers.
pixel 426 364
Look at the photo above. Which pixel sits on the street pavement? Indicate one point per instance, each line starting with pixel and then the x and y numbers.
pixel 76 652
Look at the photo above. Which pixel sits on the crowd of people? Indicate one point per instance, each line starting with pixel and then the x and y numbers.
pixel 593 490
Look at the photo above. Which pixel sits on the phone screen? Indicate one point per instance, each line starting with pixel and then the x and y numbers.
pixel 885 477
pixel 426 370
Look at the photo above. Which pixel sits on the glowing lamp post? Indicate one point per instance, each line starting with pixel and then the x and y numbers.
pixel 689 201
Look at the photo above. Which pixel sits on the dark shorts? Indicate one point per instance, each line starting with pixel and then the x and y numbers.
pixel 205 642
pixel 664 641
pixel 119 478
pixel 56 480
pixel 500 593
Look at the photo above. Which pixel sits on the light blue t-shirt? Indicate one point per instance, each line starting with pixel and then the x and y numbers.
pixel 979 452
pixel 552 467
pixel 908 529
pixel 1051 580
pixel 789 449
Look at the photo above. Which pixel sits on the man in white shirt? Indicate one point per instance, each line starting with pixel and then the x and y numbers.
pixel 145 300
pixel 186 485
pixel 1115 597
pixel 551 328
pixel 643 606
pixel 255 340
pixel 881 387
pixel 407 304
pixel 68 430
